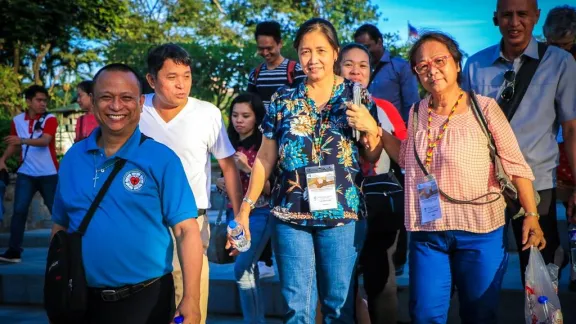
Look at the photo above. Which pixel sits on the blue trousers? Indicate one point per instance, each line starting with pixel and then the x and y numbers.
pixel 318 261
pixel 26 187
pixel 246 269
pixel 476 263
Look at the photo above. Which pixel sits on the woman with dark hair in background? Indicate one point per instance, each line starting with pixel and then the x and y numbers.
pixel 384 202
pixel 317 203
pixel 86 123
pixel 560 30
pixel 245 115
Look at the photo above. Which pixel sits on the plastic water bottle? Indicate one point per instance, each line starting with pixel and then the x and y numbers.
pixel 572 237
pixel 179 319
pixel 543 301
pixel 236 232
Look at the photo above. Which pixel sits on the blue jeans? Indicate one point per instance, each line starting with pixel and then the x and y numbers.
pixel 476 263
pixel 2 193
pixel 246 269
pixel 318 261
pixel 26 187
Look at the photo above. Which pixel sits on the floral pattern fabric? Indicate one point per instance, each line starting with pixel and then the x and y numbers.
pixel 295 125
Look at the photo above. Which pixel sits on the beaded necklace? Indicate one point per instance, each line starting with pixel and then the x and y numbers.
pixel 317 145
pixel 433 143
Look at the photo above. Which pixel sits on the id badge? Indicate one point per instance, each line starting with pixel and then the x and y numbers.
pixel 429 197
pixel 321 182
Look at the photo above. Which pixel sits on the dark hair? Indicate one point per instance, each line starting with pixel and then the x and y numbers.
pixel 32 90
pixel 159 54
pixel 440 37
pixel 318 24
pixel 345 50
pixel 369 29
pixel 560 22
pixel 85 86
pixel 269 28
pixel 118 67
pixel 259 111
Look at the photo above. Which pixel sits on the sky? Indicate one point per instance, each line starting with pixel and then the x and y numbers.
pixel 468 21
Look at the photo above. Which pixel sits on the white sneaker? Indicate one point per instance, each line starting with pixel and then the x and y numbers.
pixel 265 271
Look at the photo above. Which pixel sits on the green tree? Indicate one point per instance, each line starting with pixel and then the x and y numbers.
pixel 345 15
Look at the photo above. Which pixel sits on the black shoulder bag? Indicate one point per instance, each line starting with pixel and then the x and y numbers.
pixel 522 81
pixel 65 286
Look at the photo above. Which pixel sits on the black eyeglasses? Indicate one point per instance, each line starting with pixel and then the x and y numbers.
pixel 509 80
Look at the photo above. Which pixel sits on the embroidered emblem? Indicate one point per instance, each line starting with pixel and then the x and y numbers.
pixel 133 180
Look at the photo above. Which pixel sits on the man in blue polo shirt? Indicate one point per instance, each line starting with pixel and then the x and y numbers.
pixel 549 101
pixel 128 242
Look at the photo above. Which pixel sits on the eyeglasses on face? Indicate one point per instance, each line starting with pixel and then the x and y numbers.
pixel 509 80
pixel 437 62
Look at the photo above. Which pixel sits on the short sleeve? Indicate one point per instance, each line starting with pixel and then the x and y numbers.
pixel 78 127
pixel 219 143
pixel 13 128
pixel 251 84
pixel 50 126
pixel 59 215
pixel 507 146
pixel 178 203
pixel 566 95
pixel 269 124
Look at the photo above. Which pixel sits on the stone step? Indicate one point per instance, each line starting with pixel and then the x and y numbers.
pixel 22 284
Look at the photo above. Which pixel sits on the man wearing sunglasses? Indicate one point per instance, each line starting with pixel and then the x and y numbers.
pixel 32 133
pixel 534 85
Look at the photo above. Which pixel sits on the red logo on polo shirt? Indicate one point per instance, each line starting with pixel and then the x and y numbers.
pixel 133 180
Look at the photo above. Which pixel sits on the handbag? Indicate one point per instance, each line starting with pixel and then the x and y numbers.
pixel 508 189
pixel 217 252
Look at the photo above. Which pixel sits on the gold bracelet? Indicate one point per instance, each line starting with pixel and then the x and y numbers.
pixel 532 214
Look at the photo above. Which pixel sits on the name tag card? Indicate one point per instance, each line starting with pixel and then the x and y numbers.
pixel 429 198
pixel 321 182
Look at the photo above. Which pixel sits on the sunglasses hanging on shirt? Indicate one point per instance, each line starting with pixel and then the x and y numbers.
pixel 509 80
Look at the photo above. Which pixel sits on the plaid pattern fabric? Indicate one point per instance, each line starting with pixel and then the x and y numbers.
pixel 462 167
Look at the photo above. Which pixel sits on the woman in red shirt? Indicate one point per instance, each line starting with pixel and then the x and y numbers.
pixel 86 123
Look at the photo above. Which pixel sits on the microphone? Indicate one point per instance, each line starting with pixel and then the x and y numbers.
pixel 356 94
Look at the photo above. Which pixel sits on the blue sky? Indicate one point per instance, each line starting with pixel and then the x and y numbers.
pixel 468 21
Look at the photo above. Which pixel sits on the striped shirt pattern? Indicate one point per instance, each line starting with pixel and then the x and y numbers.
pixel 269 81
pixel 462 167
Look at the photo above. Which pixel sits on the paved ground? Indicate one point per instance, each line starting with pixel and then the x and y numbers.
pixel 35 315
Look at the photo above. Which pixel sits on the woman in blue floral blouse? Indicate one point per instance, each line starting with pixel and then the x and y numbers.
pixel 316 199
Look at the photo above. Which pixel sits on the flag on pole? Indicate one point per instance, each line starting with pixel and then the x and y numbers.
pixel 412 31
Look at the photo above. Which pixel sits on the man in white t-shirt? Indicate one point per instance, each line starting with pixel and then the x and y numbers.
pixel 194 130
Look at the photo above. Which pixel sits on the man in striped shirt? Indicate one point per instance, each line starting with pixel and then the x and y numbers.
pixel 276 71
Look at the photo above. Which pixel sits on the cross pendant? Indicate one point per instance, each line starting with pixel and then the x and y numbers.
pixel 95 178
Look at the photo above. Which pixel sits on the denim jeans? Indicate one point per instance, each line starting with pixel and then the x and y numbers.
pixel 476 263
pixel 246 269
pixel 26 187
pixel 318 262
pixel 2 193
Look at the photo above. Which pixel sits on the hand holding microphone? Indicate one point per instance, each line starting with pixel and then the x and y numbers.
pixel 359 118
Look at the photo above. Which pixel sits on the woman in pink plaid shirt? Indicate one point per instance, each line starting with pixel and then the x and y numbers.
pixel 455 242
